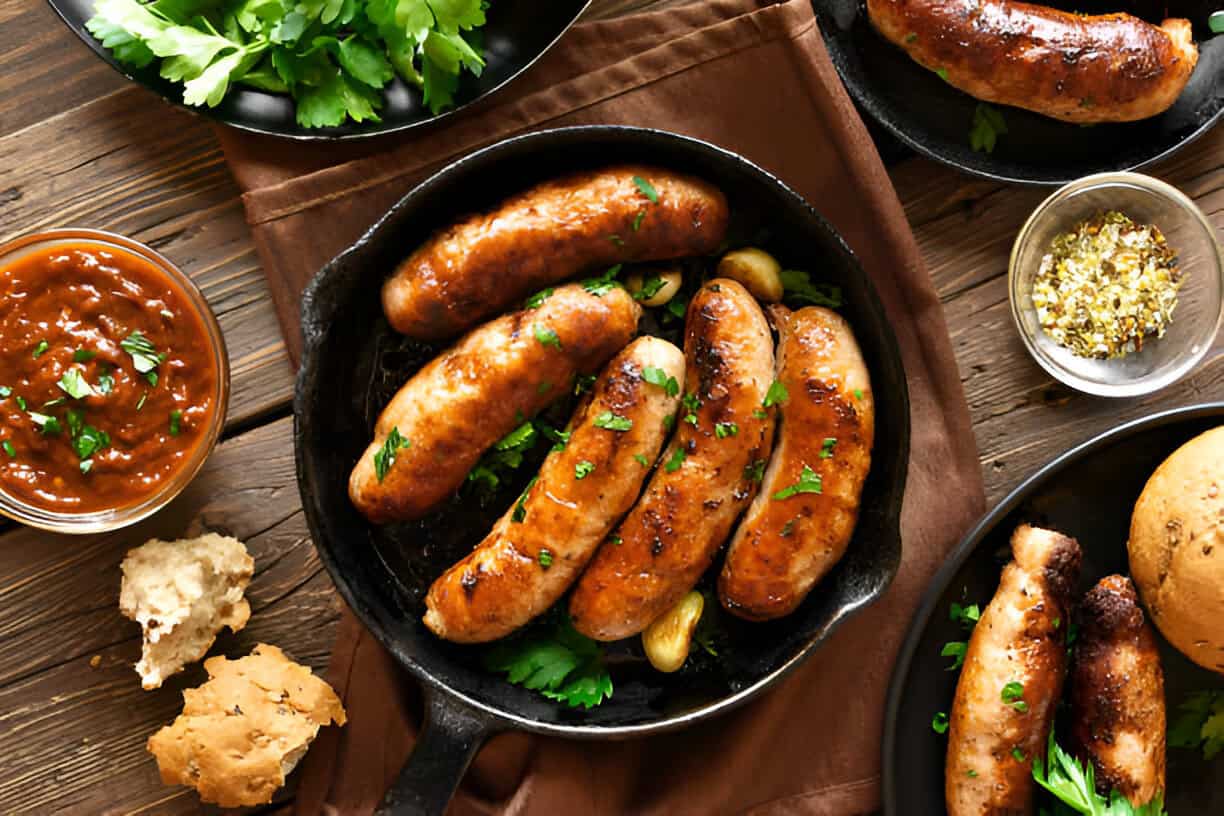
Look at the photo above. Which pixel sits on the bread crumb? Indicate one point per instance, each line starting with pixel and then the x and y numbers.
pixel 95 661
pixel 243 731
pixel 181 593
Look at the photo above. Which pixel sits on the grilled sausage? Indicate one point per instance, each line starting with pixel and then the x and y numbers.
pixel 1012 678
pixel 708 475
pixel 1073 67
pixel 547 234
pixel 786 543
pixel 539 546
pixel 477 391
pixel 1117 694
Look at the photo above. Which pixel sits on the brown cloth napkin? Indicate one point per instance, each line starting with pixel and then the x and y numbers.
pixel 754 77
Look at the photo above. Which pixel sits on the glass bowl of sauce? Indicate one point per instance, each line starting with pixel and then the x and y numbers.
pixel 114 380
pixel 1117 284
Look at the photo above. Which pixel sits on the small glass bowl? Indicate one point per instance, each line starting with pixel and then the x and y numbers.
pixel 114 518
pixel 1196 319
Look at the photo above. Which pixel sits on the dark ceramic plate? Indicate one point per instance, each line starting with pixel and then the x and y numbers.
pixel 518 32
pixel 933 118
pixel 1087 493
pixel 353 362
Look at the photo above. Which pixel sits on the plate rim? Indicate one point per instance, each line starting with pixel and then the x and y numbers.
pixel 966 547
pixel 321 135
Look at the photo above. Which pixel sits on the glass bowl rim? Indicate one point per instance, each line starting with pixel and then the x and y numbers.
pixel 1149 184
pixel 100 521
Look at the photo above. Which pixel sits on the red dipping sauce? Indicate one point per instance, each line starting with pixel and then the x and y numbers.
pixel 110 379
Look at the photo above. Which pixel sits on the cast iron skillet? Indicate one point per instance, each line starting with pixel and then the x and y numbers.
pixel 1088 493
pixel 934 118
pixel 352 363
pixel 518 32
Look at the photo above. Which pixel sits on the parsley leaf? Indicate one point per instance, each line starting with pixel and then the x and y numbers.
pixel 967 616
pixel 83 355
pixel 603 284
pixel 955 649
pixel 583 469
pixel 988 125
pixel 797 286
pixel 647 189
pixel 145 357
pixel 545 557
pixel 545 336
pixel 520 506
pixel 40 349
pixel 777 393
pixel 675 460
pixel 826 447
pixel 1073 783
pixel 87 440
pixel 641 460
pixel 73 384
pixel 613 422
pixel 659 377
pixel 383 459
pixel 47 424
pixel 809 482
pixel 556 661
pixel 939 723
pixel 1200 723
pixel 755 471
pixel 537 300
pixel 650 288
pixel 724 429
pixel 9 449
pixel 176 424
pixel 1013 695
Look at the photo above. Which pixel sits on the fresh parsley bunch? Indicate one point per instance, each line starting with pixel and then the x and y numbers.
pixel 555 660
pixel 333 57
pixel 1200 724
pixel 1073 786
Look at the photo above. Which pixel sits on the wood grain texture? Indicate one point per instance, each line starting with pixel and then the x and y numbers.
pixel 79 146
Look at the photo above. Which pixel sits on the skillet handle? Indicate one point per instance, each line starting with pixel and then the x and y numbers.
pixel 451 734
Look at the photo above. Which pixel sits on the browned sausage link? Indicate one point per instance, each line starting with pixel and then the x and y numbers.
pixel 547 234
pixel 1117 694
pixel 790 538
pixel 541 544
pixel 706 476
pixel 1012 679
pixel 1077 68
pixel 476 392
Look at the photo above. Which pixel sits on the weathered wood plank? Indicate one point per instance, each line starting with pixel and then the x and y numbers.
pixel 133 165
pixel 74 734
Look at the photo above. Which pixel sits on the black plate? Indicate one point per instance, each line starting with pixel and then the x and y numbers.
pixel 1087 493
pixel 352 362
pixel 517 33
pixel 934 118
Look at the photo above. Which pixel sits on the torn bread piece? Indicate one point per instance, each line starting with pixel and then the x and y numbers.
pixel 181 593
pixel 243 731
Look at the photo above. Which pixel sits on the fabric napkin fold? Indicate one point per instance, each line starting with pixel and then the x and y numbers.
pixel 751 76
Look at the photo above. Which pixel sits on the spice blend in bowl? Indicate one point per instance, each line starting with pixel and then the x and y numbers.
pixel 113 380
pixel 1106 286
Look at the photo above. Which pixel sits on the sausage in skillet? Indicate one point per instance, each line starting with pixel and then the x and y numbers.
pixel 547 234
pixel 1117 694
pixel 799 525
pixel 706 476
pixel 477 391
pixel 1073 67
pixel 1012 678
pixel 539 546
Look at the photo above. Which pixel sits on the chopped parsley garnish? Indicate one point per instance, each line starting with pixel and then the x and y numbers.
pixel 106 381
pixel 1018 753
pixel 151 376
pixel 966 616
pixel 41 349
pixel 669 422
pixel 691 419
pixel 972 774
pixel 545 336
pixel 647 189
pixel 74 385
pixel 76 420
pixel 776 394
pixel 47 424
pixel 383 459
pixel 939 723
pixel 507 453
pixel 583 383
pixel 641 460
pixel 676 307
pixel 5 391
pixel 145 357
pixel 520 506
pixel 536 300
pixel 797 286
pixel 86 465
pixel 140 402
pixel 583 469
pixel 809 482
pixel 858 394
pixel 659 377
pixel 988 125
pixel 1013 695
pixel 691 402
pixel 676 459
pixel 556 661
pixel 176 421
pixel 1200 724
pixel 637 220
pixel 613 422
pixel 617 540
pixel 788 528
pixel 955 649
pixel 724 429
pixel 760 413
pixel 88 440
pixel 9 449
pixel 559 438
pixel 51 403
pixel 21 403
pixel 83 355
pixel 603 284
pixel 755 471
pixel 650 288
pixel 911 37
pixel 545 557
pixel 826 447
pixel 942 73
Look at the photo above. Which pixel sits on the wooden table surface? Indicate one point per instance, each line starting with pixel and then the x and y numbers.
pixel 79 146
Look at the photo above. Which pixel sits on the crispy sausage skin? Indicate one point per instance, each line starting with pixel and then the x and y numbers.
pixel 1073 67
pixel 997 728
pixel 580 492
pixel 705 478
pixel 477 391
pixel 1117 694
pixel 784 546
pixel 547 234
